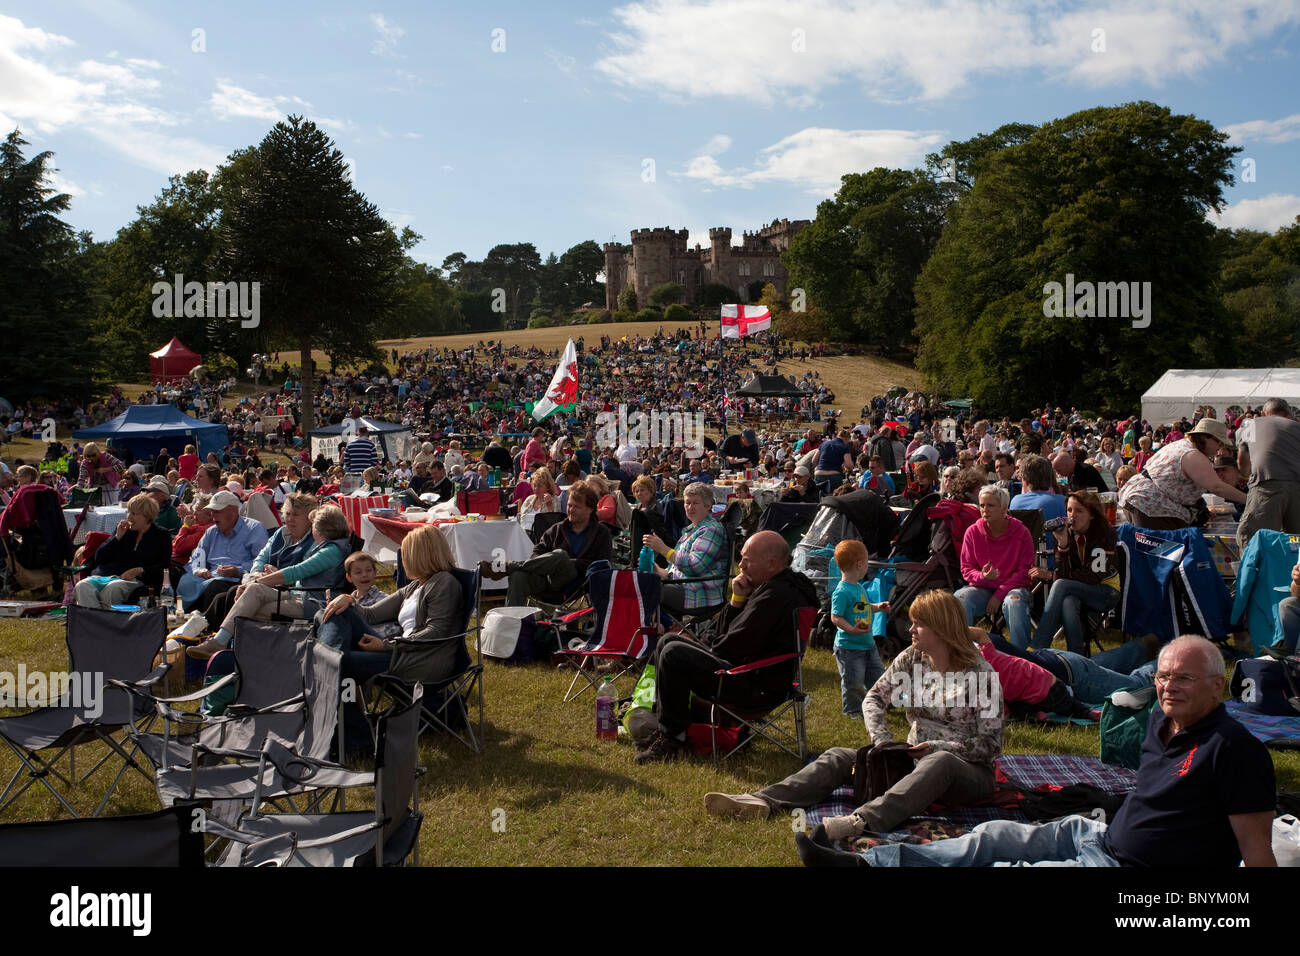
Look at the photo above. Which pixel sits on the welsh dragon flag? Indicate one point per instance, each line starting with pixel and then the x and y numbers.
pixel 562 393
pixel 741 320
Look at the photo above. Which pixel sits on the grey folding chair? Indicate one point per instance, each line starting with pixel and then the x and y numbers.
pixel 289 693
pixel 110 658
pixel 163 838
pixel 385 836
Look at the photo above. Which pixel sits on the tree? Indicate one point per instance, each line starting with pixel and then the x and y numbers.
pixel 859 259
pixel 328 263
pixel 580 266
pixel 667 294
pixel 45 301
pixel 627 299
pixel 552 289
pixel 1260 283
pixel 514 268
pixel 713 294
pixel 678 313
pixel 1104 195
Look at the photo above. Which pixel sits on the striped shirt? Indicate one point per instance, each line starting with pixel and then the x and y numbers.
pixel 359 455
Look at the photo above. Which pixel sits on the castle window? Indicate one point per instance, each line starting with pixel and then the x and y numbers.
pixel 769 269
pixel 681 278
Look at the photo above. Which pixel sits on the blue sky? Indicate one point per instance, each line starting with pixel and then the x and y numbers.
pixel 483 123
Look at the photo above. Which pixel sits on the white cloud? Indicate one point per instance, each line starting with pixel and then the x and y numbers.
pixel 412 136
pixel 815 158
pixel 107 101
pixel 1268 213
pixel 234 102
pixel 59 184
pixel 563 62
pixel 1266 131
pixel 389 34
pixel 771 50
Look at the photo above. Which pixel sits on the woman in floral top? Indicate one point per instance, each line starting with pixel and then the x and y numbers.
pixel 954 703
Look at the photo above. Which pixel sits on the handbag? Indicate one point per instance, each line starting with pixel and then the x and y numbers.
pixel 878 767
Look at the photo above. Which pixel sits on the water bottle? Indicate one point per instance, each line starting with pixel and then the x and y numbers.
pixel 167 595
pixel 645 562
pixel 496 477
pixel 606 725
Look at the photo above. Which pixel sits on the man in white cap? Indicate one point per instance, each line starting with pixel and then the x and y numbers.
pixel 161 492
pixel 223 554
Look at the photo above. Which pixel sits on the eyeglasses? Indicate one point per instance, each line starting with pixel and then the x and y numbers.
pixel 1178 680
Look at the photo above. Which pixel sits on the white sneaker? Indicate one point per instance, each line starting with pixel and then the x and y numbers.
pixel 742 806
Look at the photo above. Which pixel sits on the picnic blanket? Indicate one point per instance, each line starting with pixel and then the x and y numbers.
pixel 1280 732
pixel 1015 772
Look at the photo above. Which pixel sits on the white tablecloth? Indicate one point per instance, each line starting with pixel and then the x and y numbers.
pixel 470 542
pixel 103 518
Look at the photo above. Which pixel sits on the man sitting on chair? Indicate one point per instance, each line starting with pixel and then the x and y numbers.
pixel 564 553
pixel 755 625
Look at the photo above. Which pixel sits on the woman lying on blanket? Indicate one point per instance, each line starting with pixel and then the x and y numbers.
pixel 954 704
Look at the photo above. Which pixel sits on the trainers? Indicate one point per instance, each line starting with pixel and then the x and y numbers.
pixel 205 650
pixel 661 749
pixel 741 806
pixel 844 828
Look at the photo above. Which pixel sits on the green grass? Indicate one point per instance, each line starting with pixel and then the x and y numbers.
pixel 567 797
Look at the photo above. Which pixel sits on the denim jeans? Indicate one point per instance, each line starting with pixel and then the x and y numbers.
pixel 828 483
pixel 342 631
pixel 859 669
pixel 1066 600
pixel 1072 841
pixel 1093 683
pixel 1015 608
pixel 1126 658
pixel 1289 612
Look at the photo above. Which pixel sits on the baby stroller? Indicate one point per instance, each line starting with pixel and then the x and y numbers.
pixel 35 541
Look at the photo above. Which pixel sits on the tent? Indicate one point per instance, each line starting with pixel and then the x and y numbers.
pixel 145 429
pixel 770 386
pixel 1177 393
pixel 393 441
pixel 172 362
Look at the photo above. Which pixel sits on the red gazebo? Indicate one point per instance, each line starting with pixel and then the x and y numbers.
pixel 172 362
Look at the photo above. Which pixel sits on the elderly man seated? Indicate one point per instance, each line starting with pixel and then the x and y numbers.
pixel 1205 795
pixel 563 554
pixel 223 554
pixel 756 624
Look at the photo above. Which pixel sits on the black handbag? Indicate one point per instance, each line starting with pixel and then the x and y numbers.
pixel 879 767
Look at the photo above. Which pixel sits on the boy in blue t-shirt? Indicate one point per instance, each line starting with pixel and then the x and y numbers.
pixel 855 648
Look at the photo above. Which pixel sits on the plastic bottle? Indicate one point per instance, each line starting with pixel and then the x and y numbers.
pixel 645 562
pixel 606 725
pixel 167 595
pixel 496 477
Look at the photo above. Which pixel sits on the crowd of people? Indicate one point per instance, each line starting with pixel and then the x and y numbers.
pixel 187 524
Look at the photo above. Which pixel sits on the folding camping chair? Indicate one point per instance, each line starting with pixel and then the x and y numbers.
pixel 163 838
pixel 626 605
pixel 386 835
pixel 445 705
pixel 479 502
pixel 543 522
pixel 108 652
pixel 755 722
pixel 289 692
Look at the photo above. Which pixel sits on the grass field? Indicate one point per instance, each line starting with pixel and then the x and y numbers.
pixel 565 797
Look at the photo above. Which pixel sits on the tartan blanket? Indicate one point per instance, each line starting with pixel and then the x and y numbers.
pixel 1014 772
pixel 1280 732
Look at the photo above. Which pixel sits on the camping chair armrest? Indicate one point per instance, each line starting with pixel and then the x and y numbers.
pixel 756 665
pixel 286 763
pixel 153 678
pixel 196 694
pixel 413 641
pixel 286 706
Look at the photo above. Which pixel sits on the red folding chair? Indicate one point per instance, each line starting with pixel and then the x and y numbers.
pixel 479 502
pixel 626 604
pixel 765 723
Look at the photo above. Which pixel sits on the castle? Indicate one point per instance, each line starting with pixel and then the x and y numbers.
pixel 657 256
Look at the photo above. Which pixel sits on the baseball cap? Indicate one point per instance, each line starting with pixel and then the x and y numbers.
pixel 802 471
pixel 221 500
pixel 159 484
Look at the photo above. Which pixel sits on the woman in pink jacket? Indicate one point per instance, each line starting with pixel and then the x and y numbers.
pixel 996 555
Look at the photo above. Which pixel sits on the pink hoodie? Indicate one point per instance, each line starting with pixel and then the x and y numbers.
pixel 1012 555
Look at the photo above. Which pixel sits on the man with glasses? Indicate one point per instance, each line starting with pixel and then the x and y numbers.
pixel 1205 795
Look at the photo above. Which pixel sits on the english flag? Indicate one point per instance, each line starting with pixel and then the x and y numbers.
pixel 562 393
pixel 741 320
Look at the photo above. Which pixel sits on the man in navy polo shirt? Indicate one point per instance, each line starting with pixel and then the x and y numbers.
pixel 1205 795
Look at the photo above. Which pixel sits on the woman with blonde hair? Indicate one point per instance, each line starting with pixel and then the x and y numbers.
pixel 954 704
pixel 429 610
pixel 133 558
pixel 100 470
pixel 545 498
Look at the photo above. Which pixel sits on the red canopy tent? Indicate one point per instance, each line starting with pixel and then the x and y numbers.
pixel 172 362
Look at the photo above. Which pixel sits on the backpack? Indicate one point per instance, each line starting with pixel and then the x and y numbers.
pixel 517 635
pixel 1267 685
pixel 1123 728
